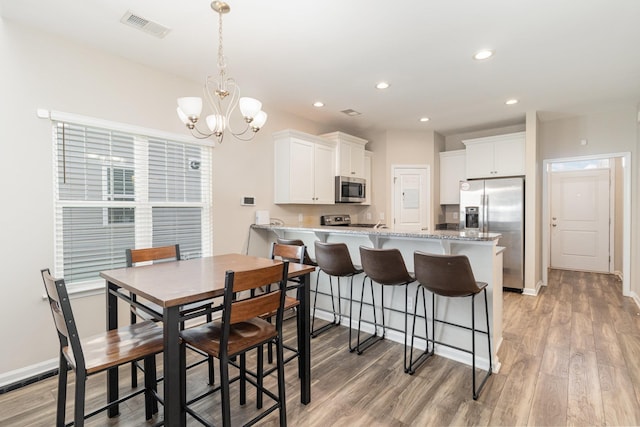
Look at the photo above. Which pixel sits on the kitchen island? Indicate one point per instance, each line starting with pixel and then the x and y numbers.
pixel 482 250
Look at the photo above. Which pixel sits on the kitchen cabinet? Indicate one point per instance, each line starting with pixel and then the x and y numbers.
pixel 368 160
pixel 495 156
pixel 452 171
pixel 349 154
pixel 304 169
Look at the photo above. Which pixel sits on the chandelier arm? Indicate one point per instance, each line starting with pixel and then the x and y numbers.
pixel 197 133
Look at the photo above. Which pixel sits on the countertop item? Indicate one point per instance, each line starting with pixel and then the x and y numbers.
pixel 469 235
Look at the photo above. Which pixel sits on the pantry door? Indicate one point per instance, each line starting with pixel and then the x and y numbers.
pixel 410 196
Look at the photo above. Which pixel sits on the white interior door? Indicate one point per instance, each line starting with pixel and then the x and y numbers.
pixel 410 195
pixel 580 220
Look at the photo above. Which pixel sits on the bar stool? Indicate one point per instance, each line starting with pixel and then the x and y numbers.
pixel 386 267
pixel 448 276
pixel 334 260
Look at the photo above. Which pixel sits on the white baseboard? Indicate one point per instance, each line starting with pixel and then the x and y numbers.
pixel 533 292
pixel 420 344
pixel 22 374
pixel 635 298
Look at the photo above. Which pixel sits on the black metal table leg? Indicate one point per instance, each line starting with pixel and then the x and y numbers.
pixel 174 414
pixel 304 340
pixel 112 374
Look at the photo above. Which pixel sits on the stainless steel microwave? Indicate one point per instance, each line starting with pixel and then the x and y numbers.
pixel 350 190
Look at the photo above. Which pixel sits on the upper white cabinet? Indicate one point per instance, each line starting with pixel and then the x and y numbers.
pixel 349 154
pixel 452 171
pixel 304 168
pixel 495 156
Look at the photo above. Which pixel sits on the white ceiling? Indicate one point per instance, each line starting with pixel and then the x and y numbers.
pixel 560 58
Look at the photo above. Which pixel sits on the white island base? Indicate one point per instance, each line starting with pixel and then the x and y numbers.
pixel 484 255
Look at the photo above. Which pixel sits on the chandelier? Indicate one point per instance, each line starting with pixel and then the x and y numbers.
pixel 223 96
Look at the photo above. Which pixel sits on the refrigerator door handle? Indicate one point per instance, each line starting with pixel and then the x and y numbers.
pixel 485 213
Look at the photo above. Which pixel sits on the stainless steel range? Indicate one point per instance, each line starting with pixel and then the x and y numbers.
pixel 345 221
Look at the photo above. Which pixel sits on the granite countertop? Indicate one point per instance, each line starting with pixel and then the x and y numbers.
pixel 387 232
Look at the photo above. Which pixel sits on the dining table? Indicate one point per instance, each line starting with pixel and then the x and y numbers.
pixel 171 286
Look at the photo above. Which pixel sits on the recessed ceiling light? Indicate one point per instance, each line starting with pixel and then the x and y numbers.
pixel 424 119
pixel 382 85
pixel 511 101
pixel 318 104
pixel 483 54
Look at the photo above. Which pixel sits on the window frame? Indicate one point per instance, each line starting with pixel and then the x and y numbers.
pixel 143 224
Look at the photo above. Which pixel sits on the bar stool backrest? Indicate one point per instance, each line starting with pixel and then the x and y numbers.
pixel 446 275
pixel 334 259
pixel 385 266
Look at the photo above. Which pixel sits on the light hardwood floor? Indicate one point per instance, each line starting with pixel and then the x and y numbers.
pixel 570 356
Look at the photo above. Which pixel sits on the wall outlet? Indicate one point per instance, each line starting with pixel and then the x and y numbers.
pixel 369 215
pixel 300 217
pixel 455 215
pixel 381 216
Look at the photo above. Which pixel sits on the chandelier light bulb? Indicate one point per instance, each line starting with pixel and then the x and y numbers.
pixel 191 106
pixel 258 121
pixel 183 117
pixel 249 107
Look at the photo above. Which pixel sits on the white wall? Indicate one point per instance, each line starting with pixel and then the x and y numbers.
pixel 612 129
pixel 42 71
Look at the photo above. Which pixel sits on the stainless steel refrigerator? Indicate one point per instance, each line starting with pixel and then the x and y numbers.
pixel 497 206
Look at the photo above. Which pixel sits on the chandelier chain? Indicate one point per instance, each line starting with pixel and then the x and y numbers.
pixel 221 62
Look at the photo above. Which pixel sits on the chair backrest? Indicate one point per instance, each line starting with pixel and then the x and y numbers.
pixel 447 275
pixel 255 305
pixel 297 242
pixel 63 319
pixel 164 253
pixel 334 259
pixel 385 266
pixel 285 252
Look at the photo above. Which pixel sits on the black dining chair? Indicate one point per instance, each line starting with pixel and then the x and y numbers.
pixel 97 353
pixel 163 254
pixel 241 329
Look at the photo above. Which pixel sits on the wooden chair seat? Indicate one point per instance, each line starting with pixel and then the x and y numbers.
pixel 250 333
pixel 118 346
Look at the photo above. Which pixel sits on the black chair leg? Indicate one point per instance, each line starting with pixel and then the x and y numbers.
pixel 63 370
pixel 224 390
pixel 281 384
pixel 413 364
pixel 260 375
pixel 243 379
pixel 149 384
pixel 81 383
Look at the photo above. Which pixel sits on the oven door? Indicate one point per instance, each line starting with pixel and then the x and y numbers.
pixel 350 190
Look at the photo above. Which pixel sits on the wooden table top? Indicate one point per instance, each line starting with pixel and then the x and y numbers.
pixel 169 284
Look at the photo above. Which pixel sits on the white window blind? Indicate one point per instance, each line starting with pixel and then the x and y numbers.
pixel 116 190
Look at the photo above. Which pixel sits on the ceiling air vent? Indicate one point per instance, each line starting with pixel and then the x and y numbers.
pixel 142 24
pixel 350 112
